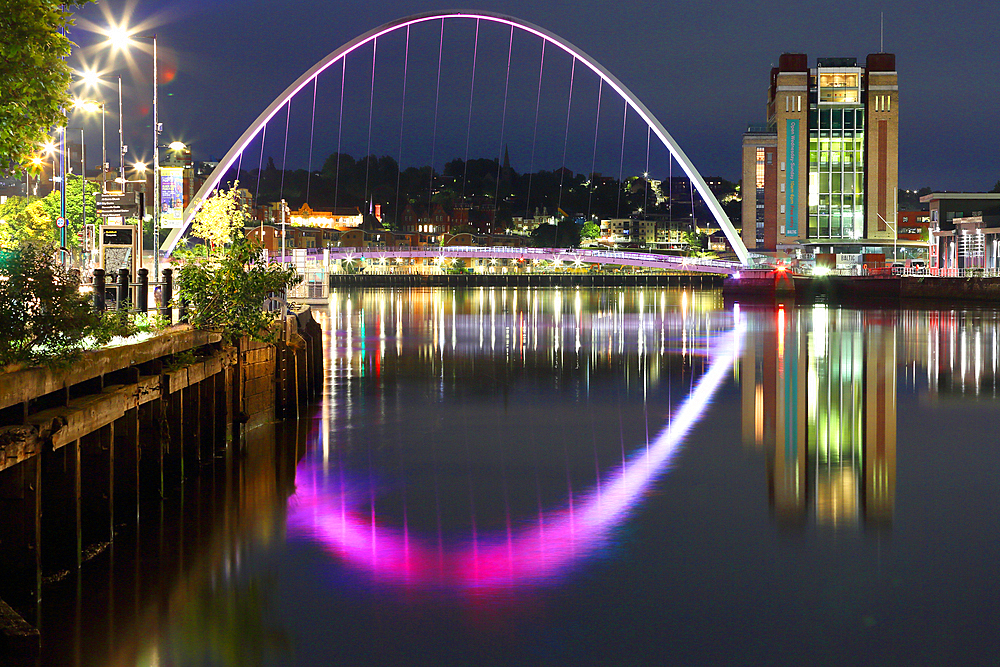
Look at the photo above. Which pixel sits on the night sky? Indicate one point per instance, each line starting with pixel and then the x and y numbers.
pixel 701 68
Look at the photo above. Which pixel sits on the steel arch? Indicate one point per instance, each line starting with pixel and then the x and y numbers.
pixel 357 42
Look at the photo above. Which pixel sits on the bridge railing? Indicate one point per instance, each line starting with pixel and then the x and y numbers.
pixel 570 255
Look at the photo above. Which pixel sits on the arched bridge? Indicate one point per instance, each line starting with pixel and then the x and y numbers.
pixel 566 257
pixel 655 127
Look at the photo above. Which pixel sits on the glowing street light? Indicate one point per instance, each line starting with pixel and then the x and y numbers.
pixel 91 78
pixel 120 38
pixel 95 105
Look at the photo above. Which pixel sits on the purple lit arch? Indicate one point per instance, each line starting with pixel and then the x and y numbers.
pixel 342 52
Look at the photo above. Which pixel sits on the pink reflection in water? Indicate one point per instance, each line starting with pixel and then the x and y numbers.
pixel 344 522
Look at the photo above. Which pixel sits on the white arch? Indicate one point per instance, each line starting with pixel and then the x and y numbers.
pixel 357 42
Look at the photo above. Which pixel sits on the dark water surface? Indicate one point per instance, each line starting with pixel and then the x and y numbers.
pixel 585 477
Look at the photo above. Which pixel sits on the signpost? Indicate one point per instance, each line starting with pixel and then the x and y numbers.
pixel 119 249
pixel 117 204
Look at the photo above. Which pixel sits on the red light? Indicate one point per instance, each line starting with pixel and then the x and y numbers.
pixel 780 267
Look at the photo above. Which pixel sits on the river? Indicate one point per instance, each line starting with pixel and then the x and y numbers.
pixel 562 476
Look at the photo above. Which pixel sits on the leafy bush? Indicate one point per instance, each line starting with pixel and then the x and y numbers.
pixel 44 316
pixel 226 292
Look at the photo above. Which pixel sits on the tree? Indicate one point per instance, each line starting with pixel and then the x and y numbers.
pixel 227 292
pixel 28 221
pixel 221 217
pixel 591 230
pixel 74 202
pixel 44 317
pixel 564 235
pixel 996 188
pixel 34 75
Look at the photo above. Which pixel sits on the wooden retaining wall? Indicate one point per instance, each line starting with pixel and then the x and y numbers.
pixel 82 445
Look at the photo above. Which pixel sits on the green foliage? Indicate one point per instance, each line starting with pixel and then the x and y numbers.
pixel 697 244
pixel 44 316
pixel 566 234
pixel 27 221
pixel 591 230
pixel 74 203
pixel 221 217
pixel 226 292
pixel 34 75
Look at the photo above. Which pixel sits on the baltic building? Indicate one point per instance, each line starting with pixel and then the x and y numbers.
pixel 820 176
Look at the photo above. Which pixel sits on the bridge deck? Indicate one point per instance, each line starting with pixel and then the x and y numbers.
pixel 565 256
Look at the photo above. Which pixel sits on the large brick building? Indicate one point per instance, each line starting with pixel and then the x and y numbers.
pixel 821 174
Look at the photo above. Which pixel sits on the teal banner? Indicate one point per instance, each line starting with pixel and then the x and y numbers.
pixel 791 177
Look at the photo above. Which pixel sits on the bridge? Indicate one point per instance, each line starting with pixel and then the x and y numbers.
pixel 606 80
pixel 558 256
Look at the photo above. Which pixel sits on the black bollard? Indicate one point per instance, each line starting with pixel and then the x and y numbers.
pixel 167 295
pixel 123 295
pixel 99 286
pixel 143 293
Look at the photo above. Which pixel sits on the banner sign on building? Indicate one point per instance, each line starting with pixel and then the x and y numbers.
pixel 792 177
pixel 171 196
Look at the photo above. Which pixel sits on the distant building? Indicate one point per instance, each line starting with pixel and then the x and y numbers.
pixel 821 174
pixel 964 230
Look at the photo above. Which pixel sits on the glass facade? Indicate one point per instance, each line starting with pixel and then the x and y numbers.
pixel 759 184
pixel 836 157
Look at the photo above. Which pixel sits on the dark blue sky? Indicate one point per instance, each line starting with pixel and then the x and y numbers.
pixel 701 68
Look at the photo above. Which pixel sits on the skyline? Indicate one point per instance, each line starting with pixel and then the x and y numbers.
pixel 724 82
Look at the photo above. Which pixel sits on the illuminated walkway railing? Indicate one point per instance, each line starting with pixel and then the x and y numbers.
pixel 567 257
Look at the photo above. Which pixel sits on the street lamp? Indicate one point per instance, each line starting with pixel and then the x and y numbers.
pixel 94 105
pixel 120 37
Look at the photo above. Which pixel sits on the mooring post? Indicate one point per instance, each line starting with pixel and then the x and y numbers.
pixel 100 285
pixel 143 292
pixel 123 300
pixel 167 295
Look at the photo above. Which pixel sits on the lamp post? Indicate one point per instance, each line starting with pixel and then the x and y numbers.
pixel 895 234
pixel 120 38
pixel 156 167
pixel 283 216
pixel 62 187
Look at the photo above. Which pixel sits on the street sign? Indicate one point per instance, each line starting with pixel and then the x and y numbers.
pixel 60 222
pixel 116 204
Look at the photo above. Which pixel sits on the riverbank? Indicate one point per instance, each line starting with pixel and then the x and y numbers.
pixel 861 289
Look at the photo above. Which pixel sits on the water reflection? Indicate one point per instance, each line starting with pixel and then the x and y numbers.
pixel 819 398
pixel 184 589
pixel 478 345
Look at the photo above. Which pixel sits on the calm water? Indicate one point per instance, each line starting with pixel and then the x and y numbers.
pixel 586 477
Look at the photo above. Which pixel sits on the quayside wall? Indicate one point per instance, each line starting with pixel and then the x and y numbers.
pixel 81 446
pixel 851 289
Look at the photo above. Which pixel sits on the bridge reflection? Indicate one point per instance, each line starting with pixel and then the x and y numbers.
pixel 477 348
